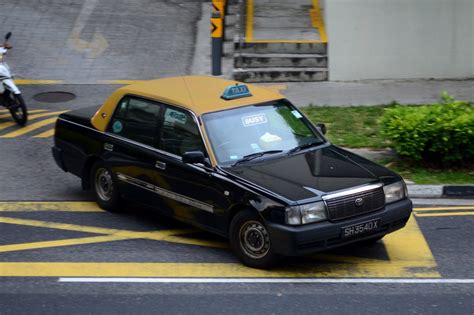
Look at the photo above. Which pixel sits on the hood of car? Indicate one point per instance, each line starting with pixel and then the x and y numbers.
pixel 311 174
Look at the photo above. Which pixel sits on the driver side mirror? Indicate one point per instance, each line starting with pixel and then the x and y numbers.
pixel 193 157
pixel 321 127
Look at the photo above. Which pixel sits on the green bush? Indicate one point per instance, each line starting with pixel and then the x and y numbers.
pixel 441 133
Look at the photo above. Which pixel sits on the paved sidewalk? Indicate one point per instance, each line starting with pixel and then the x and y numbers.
pixel 332 93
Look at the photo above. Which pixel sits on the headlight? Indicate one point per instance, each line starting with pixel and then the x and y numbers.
pixel 308 213
pixel 395 192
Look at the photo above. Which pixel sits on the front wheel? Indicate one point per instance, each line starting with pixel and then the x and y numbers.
pixel 18 109
pixel 250 241
pixel 104 187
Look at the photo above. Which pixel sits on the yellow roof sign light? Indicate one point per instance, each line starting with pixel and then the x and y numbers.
pixel 233 92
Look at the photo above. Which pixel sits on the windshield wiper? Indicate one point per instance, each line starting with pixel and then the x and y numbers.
pixel 255 155
pixel 305 146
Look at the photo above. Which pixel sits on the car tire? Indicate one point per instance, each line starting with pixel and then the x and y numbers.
pixel 104 186
pixel 250 241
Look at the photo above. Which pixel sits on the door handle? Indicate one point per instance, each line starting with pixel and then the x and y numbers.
pixel 108 147
pixel 160 165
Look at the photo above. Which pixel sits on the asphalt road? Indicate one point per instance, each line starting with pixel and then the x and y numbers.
pixel 59 253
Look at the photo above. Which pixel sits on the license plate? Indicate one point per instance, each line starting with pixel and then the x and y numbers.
pixel 360 228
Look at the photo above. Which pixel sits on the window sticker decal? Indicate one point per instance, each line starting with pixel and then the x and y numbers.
pixel 268 137
pixel 296 114
pixel 117 127
pixel 255 146
pixel 254 120
pixel 174 116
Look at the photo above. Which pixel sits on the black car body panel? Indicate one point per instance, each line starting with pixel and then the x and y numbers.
pixel 209 197
pixel 309 175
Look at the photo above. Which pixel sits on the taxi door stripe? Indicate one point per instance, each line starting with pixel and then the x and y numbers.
pixel 166 193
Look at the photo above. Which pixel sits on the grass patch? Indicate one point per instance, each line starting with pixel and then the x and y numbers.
pixel 351 127
pixel 359 127
pixel 426 175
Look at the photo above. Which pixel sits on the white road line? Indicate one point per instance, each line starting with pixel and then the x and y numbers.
pixel 268 280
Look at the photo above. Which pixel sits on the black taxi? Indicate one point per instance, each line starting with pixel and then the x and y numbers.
pixel 234 159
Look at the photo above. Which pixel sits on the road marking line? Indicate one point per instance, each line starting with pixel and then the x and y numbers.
pixel 318 21
pixel 206 270
pixel 418 250
pixel 30 117
pixel 119 81
pixel 280 280
pixel 29 112
pixel 59 243
pixel 46 134
pixel 29 128
pixel 249 22
pixel 445 208
pixel 162 235
pixel 69 206
pixel 21 82
pixel 447 214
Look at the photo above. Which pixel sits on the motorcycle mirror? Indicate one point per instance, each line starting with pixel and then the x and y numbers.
pixel 7 37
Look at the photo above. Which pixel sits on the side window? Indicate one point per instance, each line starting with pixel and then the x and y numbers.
pixel 180 133
pixel 136 119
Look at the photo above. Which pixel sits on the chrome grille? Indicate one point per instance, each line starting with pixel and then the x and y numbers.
pixel 345 206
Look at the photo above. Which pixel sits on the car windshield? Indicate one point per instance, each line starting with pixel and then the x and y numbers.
pixel 275 127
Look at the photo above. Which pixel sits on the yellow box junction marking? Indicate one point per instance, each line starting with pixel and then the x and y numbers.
pixel 407 249
pixel 29 112
pixel 316 21
pixel 30 127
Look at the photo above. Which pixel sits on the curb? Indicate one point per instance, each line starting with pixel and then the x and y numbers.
pixel 441 191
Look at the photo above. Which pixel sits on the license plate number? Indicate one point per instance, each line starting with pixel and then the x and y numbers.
pixel 360 228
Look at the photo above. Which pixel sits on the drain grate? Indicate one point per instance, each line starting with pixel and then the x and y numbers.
pixel 54 97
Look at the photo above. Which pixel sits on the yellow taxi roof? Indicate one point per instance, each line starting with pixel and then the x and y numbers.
pixel 200 94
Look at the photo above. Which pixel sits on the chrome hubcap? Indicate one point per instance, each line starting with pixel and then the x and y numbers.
pixel 104 184
pixel 254 239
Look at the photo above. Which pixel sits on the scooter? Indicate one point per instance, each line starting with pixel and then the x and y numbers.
pixel 10 95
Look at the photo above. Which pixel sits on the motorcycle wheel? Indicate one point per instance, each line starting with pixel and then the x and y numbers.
pixel 18 109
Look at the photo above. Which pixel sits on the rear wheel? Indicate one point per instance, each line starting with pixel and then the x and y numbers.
pixel 104 187
pixel 250 241
pixel 18 109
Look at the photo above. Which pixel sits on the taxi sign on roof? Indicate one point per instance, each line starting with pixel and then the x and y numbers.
pixel 236 91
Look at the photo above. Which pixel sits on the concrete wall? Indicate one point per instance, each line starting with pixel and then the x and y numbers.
pixel 395 39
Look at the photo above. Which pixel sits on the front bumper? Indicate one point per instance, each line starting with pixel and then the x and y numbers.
pixel 305 239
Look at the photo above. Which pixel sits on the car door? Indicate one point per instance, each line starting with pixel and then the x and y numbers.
pixel 194 193
pixel 130 149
